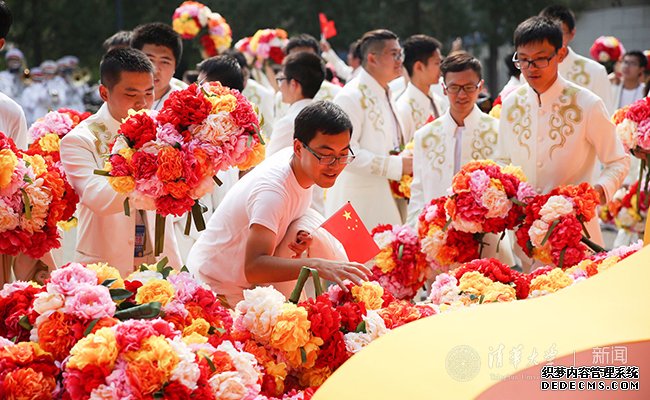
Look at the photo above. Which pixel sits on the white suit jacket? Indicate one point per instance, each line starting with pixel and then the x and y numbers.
pixel 589 74
pixel 327 91
pixel 415 108
pixel 375 133
pixel 105 233
pixel 559 137
pixel 263 98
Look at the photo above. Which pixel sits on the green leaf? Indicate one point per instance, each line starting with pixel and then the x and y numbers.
pixel 143 311
pixel 27 179
pixel 561 261
pixel 303 355
pixel 24 322
pixel 90 327
pixel 120 294
pixel 127 207
pixel 143 268
pixel 550 230
pixel 400 252
pixel 361 328
pixel 259 136
pixel 188 225
pixel 161 264
pixel 210 363
pixel 108 282
pixel 166 271
pixel 159 394
pixel 28 204
pixel 101 172
pixel 517 202
pixel 249 141
pixel 184 269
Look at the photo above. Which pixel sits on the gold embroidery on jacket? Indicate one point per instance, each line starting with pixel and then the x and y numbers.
pixel 578 73
pixel 434 148
pixel 566 114
pixel 369 102
pixel 102 137
pixel 484 139
pixel 519 116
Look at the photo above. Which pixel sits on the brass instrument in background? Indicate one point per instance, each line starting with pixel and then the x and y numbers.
pixel 81 76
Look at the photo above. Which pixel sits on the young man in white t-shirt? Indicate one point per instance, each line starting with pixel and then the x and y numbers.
pixel 240 246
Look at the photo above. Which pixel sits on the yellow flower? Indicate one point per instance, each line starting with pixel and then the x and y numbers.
pixel 405 185
pixel 155 290
pixel 551 282
pixel 278 372
pixel 311 348
pixel 474 283
pixel 608 262
pixel 8 162
pixel 199 326
pixel 384 260
pixel 315 376
pixel 50 143
pixel 291 330
pixel 104 272
pixel 69 224
pixel 127 153
pixel 514 170
pixel 185 25
pixel 122 184
pixel 543 254
pixel 226 103
pixel 99 348
pixel 194 338
pixel 255 157
pixel 495 112
pixel 151 366
pixel 370 293
pixel 499 292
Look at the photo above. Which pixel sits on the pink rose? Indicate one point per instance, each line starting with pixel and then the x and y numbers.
pixel 90 302
pixel 70 278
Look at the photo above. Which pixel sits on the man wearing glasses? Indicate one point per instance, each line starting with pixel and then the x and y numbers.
pixel 251 236
pixel 462 134
pixel 554 129
pixel 377 132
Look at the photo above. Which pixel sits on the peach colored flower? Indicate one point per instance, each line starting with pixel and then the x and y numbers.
pixel 370 293
pixel 99 348
pixel 155 290
pixel 291 331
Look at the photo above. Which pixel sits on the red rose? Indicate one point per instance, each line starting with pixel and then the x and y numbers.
pixel 244 115
pixel 567 233
pixel 119 166
pixel 139 129
pixel 333 353
pixel 144 165
pixel 12 309
pixel 177 391
pixel 184 108
pixel 351 315
pixel 78 384
pixel 325 321
pixel 639 110
pixel 168 205
pixel 276 54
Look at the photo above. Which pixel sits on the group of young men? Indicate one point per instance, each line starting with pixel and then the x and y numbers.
pixel 265 225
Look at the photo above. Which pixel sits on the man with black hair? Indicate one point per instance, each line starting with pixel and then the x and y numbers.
pixel 344 71
pixel 12 118
pixel 300 79
pixel 580 70
pixel 251 236
pixel 418 105
pixel 515 77
pixel 164 48
pixel 224 69
pixel 298 44
pixel 106 234
pixel 377 134
pixel 554 129
pixel 631 87
pixel 256 93
pixel 118 39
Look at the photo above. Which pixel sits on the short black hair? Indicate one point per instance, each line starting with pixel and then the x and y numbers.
pixel 374 41
pixel 560 13
pixel 224 69
pixel 118 39
pixel 302 40
pixel 643 60
pixel 122 59
pixel 158 34
pixel 190 76
pixel 355 49
pixel 6 19
pixel 237 55
pixel 418 48
pixel 536 30
pixel 322 116
pixel 460 61
pixel 307 69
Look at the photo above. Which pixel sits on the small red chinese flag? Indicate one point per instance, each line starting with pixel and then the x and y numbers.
pixel 327 28
pixel 346 226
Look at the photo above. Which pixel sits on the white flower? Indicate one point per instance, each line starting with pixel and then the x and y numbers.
pixel 626 131
pixel 46 301
pixel 555 207
pixel 228 386
pixel 537 232
pixel 354 342
pixel 432 244
pixel 187 371
pixel 384 239
pixel 375 325
pixel 245 363
pixel 144 276
pixel 259 311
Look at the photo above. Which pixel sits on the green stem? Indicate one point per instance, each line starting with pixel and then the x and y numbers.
pixel 593 246
pixel 300 284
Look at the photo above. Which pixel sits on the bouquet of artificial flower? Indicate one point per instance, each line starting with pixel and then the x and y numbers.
pixel 266 45
pixel 607 49
pixel 27 371
pixel 189 18
pixel 219 36
pixel 400 267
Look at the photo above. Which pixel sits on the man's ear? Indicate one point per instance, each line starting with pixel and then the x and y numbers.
pixel 103 92
pixel 562 53
pixel 297 147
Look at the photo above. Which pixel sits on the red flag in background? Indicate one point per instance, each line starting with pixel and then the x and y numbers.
pixel 346 226
pixel 327 28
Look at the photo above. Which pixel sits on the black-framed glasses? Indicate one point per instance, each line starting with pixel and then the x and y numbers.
pixel 455 89
pixel 330 160
pixel 279 79
pixel 536 63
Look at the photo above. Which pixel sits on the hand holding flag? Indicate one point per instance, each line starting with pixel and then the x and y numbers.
pixel 347 227
pixel 327 27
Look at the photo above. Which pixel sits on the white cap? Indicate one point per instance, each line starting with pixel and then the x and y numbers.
pixel 49 67
pixel 14 53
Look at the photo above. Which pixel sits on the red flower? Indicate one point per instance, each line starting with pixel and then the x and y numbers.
pixel 639 110
pixel 244 115
pixel 184 108
pixel 381 228
pixel 208 46
pixel 79 384
pixel 325 321
pixel 139 129
pixel 168 205
pixel 351 315
pixel 333 353
pixel 572 255
pixel 567 233
pixel 276 54
pixel 177 391
pixel 12 309
pixel 7 143
pixel 144 165
pixel 119 166
pixel 466 208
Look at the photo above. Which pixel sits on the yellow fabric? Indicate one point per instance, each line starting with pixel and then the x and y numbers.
pixel 413 362
pixel 646 234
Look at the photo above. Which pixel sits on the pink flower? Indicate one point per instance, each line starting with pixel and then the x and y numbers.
pixel 151 186
pixel 52 122
pixel 643 134
pixel 90 302
pixel 185 286
pixel 131 333
pixel 525 191
pixel 18 181
pixel 167 134
pixel 478 182
pixel 70 278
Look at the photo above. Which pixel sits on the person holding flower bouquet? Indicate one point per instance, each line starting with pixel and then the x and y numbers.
pixel 105 233
pixel 556 130
pixel 245 237
pixel 462 134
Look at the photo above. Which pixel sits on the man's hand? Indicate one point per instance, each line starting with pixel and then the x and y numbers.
pixel 601 193
pixel 339 271
pixel 324 45
pixel 302 243
pixel 407 165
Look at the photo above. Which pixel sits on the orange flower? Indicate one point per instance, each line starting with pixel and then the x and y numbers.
pixel 315 377
pixel 203 162
pixel 178 189
pixel 291 330
pixel 370 294
pixel 170 164
pixel 619 115
pixel 222 362
pixel 99 348
pixel 56 335
pixel 460 182
pixel 254 157
pixel 150 367
pixel 155 290
pixel 25 383
pixel 311 349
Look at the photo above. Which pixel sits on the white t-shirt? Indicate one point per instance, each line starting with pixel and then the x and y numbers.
pixel 629 96
pixel 270 196
pixel 12 121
